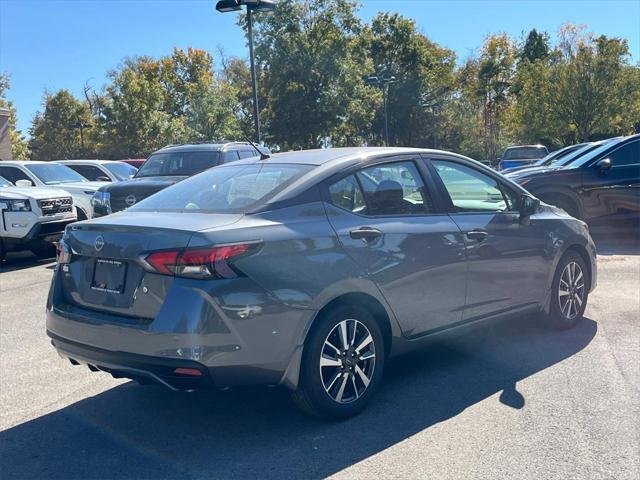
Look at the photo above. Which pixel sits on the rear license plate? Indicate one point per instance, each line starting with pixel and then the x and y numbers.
pixel 109 275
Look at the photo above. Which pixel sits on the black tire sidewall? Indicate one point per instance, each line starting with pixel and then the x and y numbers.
pixel 556 318
pixel 310 381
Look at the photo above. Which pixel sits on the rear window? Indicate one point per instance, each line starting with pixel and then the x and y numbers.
pixel 178 163
pixel 225 189
pixel 524 153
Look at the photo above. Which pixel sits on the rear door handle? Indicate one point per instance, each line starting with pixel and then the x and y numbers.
pixel 479 235
pixel 365 233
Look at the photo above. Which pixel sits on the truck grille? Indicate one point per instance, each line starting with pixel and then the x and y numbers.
pixel 119 202
pixel 55 206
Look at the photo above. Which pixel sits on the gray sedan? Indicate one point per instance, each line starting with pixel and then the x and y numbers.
pixel 309 269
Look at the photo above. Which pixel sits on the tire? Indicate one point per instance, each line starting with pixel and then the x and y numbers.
pixel 344 388
pixel 569 303
pixel 80 214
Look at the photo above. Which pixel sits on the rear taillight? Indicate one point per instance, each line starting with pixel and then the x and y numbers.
pixel 203 263
pixel 63 252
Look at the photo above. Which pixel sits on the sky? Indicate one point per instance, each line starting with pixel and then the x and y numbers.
pixel 46 45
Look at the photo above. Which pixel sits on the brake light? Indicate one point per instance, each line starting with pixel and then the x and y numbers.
pixel 203 263
pixel 63 252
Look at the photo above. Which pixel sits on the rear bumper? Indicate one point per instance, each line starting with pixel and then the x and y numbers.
pixel 257 344
pixel 141 368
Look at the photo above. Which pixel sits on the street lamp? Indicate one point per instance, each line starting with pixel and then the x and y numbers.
pixel 225 6
pixel 382 82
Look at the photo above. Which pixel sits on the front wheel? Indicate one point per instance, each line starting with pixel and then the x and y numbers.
pixel 569 292
pixel 342 363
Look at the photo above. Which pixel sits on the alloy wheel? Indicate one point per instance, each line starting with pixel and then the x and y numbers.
pixel 347 361
pixel 571 290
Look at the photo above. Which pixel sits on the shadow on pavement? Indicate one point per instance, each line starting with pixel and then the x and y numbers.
pixel 617 240
pixel 22 260
pixel 147 432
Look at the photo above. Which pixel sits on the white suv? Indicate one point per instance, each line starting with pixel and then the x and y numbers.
pixel 55 176
pixel 101 170
pixel 32 218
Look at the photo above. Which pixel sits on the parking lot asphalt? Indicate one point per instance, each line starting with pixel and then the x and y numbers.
pixel 509 400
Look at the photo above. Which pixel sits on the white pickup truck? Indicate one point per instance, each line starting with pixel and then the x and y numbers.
pixel 32 218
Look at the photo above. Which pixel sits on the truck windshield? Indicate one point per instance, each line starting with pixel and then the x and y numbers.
pixel 178 163
pixel 53 173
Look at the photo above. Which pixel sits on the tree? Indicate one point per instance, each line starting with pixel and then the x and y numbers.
pixel 535 47
pixel 61 130
pixel 175 99
pixel 425 81
pixel 19 146
pixel 311 65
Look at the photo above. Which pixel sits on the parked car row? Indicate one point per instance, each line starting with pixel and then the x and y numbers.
pixel 597 182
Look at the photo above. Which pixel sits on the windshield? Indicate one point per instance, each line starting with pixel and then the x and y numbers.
pixel 4 182
pixel 178 163
pixel 524 153
pixel 120 170
pixel 233 189
pixel 53 173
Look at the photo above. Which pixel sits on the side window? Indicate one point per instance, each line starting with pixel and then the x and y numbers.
pixel 346 194
pixel 230 156
pixel 394 189
pixel 627 155
pixel 473 191
pixel 89 172
pixel 13 174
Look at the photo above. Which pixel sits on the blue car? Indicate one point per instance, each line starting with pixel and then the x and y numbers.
pixel 522 155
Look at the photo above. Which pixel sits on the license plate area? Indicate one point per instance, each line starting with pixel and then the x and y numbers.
pixel 109 276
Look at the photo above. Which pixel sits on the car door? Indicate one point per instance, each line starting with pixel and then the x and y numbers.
pixel 613 193
pixel 508 264
pixel 386 221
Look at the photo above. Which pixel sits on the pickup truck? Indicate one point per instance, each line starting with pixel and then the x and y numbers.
pixel 33 218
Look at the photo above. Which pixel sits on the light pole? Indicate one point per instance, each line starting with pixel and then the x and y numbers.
pixel 224 6
pixel 383 81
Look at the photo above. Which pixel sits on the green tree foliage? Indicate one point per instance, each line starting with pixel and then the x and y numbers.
pixel 19 146
pixel 424 85
pixel 535 47
pixel 61 131
pixel 312 63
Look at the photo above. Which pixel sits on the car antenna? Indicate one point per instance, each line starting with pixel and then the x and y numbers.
pixel 263 156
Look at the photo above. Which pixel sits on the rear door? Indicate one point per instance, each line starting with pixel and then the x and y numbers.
pixel 507 260
pixel 387 222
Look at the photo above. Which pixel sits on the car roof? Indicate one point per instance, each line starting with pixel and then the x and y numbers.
pixel 98 162
pixel 196 147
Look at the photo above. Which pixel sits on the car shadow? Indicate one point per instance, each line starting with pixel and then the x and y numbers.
pixel 617 241
pixel 147 432
pixel 22 260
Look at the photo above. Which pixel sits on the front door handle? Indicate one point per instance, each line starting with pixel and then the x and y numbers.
pixel 479 235
pixel 365 233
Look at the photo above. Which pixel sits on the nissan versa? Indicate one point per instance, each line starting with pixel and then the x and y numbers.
pixel 309 269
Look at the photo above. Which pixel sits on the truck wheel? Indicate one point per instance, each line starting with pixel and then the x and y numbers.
pixel 80 213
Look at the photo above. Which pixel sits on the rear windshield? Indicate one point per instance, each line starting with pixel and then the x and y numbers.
pixel 178 163
pixel 225 189
pixel 524 152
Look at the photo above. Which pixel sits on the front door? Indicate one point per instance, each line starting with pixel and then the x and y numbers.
pixel 386 221
pixel 508 260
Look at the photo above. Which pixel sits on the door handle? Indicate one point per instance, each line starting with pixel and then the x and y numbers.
pixel 365 233
pixel 479 235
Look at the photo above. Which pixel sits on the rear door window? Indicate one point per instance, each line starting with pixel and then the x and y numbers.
pixel 346 194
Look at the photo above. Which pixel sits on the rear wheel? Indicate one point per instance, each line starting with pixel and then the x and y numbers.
pixel 569 292
pixel 342 363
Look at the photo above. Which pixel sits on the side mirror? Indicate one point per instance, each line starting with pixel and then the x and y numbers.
pixel 24 183
pixel 604 164
pixel 528 205
pixel 103 179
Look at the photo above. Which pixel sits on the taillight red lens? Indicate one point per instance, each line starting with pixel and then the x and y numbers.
pixel 198 262
pixel 63 252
